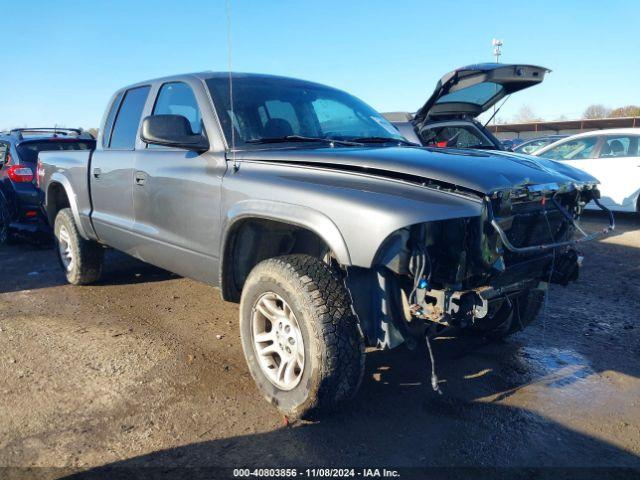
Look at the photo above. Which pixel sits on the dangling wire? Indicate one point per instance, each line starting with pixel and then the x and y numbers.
pixel 434 378
pixel 420 259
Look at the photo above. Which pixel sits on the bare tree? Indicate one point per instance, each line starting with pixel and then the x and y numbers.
pixel 596 111
pixel 628 111
pixel 526 115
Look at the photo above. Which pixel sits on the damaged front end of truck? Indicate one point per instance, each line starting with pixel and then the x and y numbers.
pixel 487 273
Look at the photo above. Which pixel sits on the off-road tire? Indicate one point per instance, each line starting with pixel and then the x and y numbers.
pixel 333 341
pixel 88 255
pixel 526 307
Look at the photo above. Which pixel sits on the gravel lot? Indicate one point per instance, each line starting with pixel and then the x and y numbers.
pixel 146 368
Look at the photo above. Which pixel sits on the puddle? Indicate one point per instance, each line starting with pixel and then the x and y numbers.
pixel 556 367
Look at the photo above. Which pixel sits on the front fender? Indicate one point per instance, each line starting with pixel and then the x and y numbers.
pixel 299 215
pixel 354 213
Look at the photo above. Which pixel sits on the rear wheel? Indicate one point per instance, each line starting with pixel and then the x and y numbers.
pixel 81 259
pixel 301 340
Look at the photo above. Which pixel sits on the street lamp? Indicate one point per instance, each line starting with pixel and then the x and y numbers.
pixel 496 49
pixel 496 52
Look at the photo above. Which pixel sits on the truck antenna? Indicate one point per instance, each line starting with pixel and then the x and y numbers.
pixel 229 58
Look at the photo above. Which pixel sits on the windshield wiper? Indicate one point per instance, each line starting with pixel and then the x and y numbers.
pixel 399 141
pixel 300 138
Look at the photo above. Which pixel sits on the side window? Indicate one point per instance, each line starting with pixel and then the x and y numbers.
pixel 623 146
pixel 532 147
pixel 577 149
pixel 177 98
pixel 125 129
pixel 108 124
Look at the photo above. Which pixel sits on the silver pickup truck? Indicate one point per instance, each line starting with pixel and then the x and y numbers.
pixel 310 209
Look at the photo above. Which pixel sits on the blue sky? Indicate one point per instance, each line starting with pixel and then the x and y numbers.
pixel 62 60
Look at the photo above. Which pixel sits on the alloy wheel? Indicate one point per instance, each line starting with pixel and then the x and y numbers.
pixel 277 341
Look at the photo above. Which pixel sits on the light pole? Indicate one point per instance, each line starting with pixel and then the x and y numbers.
pixel 496 52
pixel 496 49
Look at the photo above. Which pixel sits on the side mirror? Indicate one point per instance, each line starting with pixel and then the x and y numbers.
pixel 172 131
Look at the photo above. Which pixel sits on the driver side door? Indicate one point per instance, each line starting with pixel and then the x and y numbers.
pixel 176 195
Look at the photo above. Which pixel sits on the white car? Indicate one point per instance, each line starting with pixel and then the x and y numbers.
pixel 612 156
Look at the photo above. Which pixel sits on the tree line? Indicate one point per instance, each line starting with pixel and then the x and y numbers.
pixel 526 114
pixel 600 111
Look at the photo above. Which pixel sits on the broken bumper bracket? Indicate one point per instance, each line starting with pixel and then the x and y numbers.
pixel 586 237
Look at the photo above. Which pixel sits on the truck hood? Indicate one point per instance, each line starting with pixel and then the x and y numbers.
pixel 483 172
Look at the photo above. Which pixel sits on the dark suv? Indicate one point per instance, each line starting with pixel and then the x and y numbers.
pixel 20 211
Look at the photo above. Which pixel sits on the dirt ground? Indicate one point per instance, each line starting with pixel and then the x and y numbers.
pixel 146 369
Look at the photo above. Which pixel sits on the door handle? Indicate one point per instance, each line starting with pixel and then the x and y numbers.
pixel 140 178
pixel 97 172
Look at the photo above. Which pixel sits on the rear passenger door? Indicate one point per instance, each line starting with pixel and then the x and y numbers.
pixel 177 194
pixel 112 171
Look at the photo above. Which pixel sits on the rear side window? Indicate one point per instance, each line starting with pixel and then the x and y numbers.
pixel 622 146
pixel 4 149
pixel 108 124
pixel 177 98
pixel 28 151
pixel 123 136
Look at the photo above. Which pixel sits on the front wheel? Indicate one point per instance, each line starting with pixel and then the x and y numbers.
pixel 81 259
pixel 302 342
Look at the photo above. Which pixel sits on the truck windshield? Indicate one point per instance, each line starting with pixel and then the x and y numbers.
pixel 28 151
pixel 279 108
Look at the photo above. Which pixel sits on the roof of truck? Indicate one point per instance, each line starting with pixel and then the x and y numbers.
pixel 209 74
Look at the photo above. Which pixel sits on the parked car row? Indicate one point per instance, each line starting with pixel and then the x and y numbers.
pixel 612 156
pixel 534 144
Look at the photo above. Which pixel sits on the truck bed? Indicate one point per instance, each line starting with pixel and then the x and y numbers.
pixel 70 170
